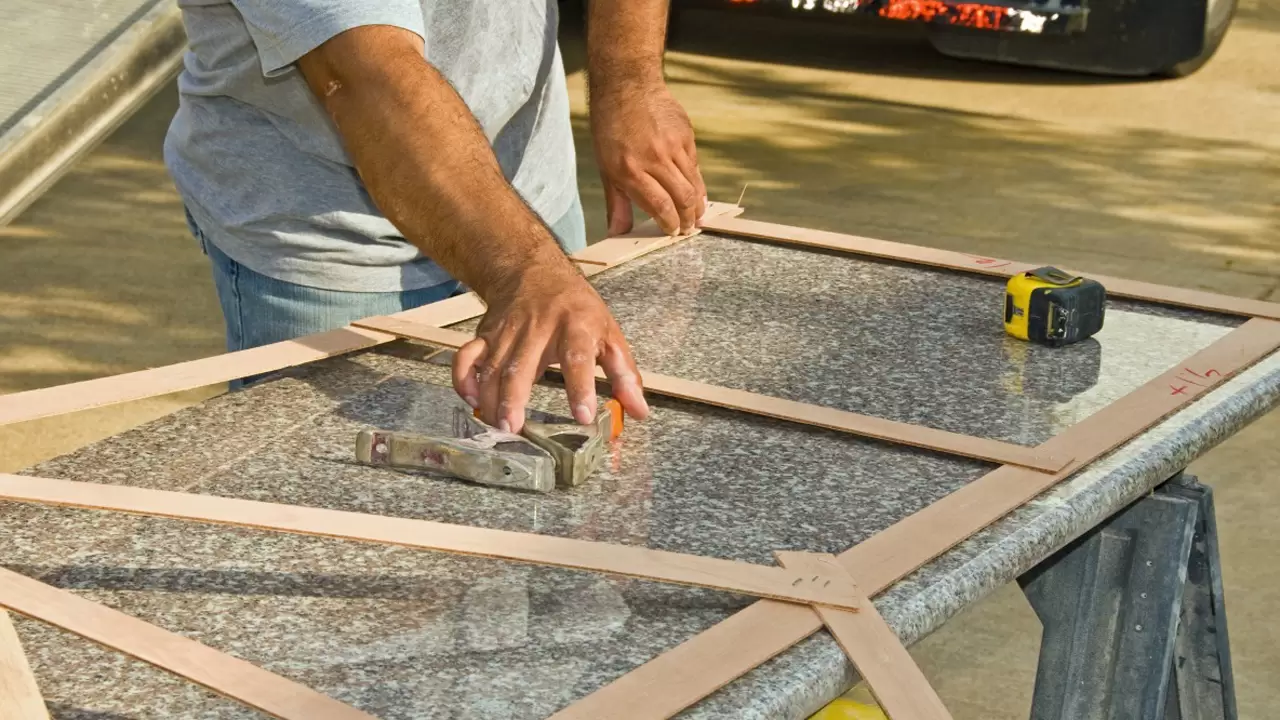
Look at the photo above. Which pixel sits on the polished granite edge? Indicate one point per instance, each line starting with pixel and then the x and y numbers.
pixel 800 681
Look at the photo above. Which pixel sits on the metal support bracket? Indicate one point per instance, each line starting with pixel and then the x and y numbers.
pixel 1134 622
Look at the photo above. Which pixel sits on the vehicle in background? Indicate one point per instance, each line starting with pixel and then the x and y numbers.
pixel 1169 38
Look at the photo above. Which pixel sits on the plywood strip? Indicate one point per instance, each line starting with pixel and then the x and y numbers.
pixel 226 675
pixel 643 240
pixel 790 410
pixel 628 561
pixel 703 664
pixel 1117 287
pixel 901 690
pixel 100 392
pixel 19 694
pixel 459 308
pixel 854 423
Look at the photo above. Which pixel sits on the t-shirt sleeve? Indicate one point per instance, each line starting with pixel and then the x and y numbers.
pixel 285 30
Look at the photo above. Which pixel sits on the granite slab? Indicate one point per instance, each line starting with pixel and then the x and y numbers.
pixel 409 634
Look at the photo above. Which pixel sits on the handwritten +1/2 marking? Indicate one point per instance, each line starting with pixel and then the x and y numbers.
pixel 1182 389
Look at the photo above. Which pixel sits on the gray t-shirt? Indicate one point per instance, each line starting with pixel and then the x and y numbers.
pixel 263 171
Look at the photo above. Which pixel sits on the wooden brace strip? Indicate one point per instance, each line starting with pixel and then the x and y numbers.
pixel 625 560
pixel 642 241
pixel 1117 287
pixel 19 694
pixel 100 392
pixel 881 659
pixel 778 408
pixel 706 662
pixel 231 677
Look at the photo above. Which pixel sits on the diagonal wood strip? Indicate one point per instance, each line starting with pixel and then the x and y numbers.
pixel 703 664
pixel 879 656
pixel 625 560
pixel 778 408
pixel 229 676
pixel 100 392
pixel 1116 287
pixel 645 239
pixel 19 694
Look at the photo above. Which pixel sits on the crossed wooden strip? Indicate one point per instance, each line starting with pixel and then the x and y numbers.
pixel 830 418
pixel 245 682
pixel 804 578
pixel 707 662
pixel 873 648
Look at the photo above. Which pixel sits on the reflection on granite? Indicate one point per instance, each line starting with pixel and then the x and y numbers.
pixel 408 634
pixel 906 343
pixel 411 634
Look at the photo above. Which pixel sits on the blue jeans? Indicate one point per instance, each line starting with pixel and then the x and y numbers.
pixel 259 310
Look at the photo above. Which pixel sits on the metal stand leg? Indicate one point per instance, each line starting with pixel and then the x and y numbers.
pixel 1202 651
pixel 1134 624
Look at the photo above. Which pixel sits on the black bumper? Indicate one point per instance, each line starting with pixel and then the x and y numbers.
pixel 1047 17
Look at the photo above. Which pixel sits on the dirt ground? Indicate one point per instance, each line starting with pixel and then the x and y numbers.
pixel 859 129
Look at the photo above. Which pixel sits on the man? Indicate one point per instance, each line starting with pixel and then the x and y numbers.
pixel 347 158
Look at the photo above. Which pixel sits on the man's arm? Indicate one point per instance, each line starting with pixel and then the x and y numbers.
pixel 644 141
pixel 430 169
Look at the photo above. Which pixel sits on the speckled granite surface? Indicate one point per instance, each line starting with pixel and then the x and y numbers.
pixel 905 343
pixel 406 634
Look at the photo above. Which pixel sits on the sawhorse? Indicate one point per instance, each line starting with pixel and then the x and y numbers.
pixel 1133 615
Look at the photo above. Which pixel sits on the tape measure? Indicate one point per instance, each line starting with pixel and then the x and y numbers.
pixel 1051 307
pixel 847 708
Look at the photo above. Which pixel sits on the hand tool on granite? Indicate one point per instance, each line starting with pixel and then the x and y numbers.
pixel 1054 308
pixel 549 451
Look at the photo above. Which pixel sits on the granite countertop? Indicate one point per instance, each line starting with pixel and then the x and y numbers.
pixel 411 634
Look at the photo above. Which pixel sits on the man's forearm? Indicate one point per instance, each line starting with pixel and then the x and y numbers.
pixel 625 43
pixel 425 160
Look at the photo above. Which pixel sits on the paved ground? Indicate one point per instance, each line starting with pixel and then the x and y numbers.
pixel 863 130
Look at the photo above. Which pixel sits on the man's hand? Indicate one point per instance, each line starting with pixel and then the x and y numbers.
pixel 550 316
pixel 645 148
pixel 430 169
pixel 643 139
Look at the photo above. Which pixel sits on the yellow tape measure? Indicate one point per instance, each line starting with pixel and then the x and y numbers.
pixel 1052 307
pixel 857 704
